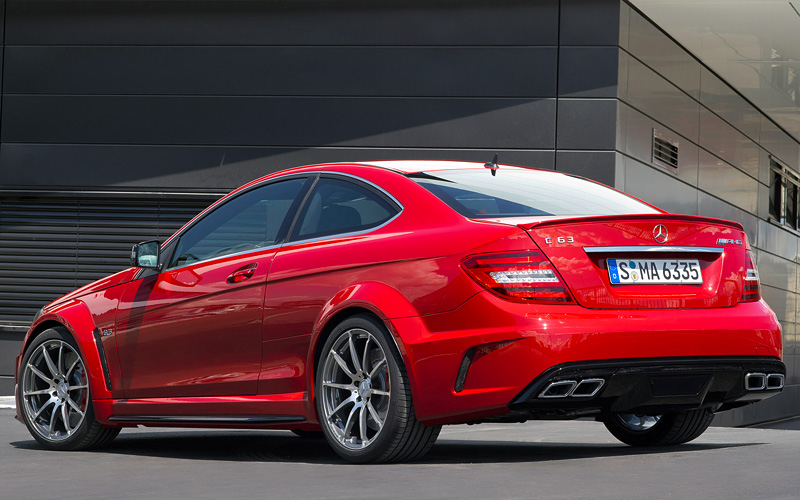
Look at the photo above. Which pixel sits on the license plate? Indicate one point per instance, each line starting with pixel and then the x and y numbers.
pixel 654 271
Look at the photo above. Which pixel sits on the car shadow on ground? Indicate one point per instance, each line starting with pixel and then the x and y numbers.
pixel 271 446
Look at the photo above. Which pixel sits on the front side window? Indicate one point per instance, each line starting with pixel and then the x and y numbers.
pixel 338 206
pixel 250 220
pixel 522 193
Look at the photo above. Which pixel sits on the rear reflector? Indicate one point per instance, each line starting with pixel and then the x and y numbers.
pixel 752 288
pixel 519 276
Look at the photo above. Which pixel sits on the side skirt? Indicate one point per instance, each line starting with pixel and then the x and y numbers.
pixel 255 411
pixel 215 420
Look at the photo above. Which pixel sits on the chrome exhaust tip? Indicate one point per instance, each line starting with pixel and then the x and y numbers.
pixel 560 389
pixel 588 387
pixel 775 381
pixel 755 381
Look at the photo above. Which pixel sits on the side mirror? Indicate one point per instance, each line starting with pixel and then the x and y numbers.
pixel 146 254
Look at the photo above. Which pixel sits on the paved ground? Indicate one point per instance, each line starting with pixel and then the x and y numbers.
pixel 573 460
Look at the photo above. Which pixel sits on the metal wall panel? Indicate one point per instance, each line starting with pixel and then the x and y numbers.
pixel 586 124
pixel 590 22
pixel 656 97
pixel 204 167
pixel 292 71
pixel 731 144
pixel 588 71
pixel 670 60
pixel 280 121
pixel 722 139
pixel 282 22
pixel 599 165
pixel 717 96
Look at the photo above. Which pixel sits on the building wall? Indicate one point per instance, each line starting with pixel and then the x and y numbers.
pixel 725 145
pixel 132 111
pixel 110 107
pixel 190 94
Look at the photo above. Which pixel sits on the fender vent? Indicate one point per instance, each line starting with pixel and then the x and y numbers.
pixel 665 151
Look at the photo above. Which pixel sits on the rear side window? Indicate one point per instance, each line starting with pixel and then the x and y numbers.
pixel 338 206
pixel 516 193
pixel 250 220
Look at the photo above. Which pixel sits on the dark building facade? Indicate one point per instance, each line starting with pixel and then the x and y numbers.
pixel 121 119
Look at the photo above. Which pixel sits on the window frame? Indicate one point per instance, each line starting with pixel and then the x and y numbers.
pixel 370 186
pixel 283 231
pixel 779 211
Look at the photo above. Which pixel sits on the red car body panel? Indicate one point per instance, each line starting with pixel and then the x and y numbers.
pixel 521 345
pixel 586 275
pixel 188 341
pixel 188 332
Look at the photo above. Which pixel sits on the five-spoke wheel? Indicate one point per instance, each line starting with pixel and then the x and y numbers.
pixel 54 394
pixel 363 396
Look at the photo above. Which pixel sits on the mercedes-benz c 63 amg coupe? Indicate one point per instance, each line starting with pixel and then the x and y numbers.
pixel 371 303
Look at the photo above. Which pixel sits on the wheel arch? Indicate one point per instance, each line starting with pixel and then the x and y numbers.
pixel 74 318
pixel 378 300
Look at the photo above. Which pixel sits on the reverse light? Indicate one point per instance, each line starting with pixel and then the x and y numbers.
pixel 519 276
pixel 752 287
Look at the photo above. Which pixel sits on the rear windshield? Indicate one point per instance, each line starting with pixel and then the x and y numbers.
pixel 515 193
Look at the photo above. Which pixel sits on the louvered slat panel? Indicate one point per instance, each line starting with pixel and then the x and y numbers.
pixel 51 245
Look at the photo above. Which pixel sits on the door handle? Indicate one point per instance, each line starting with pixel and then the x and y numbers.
pixel 243 273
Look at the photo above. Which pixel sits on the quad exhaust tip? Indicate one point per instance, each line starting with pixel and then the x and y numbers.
pixel 585 388
pixel 763 381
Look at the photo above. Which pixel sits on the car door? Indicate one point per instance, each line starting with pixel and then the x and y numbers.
pixel 195 328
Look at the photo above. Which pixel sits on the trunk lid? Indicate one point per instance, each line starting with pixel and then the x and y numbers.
pixel 644 252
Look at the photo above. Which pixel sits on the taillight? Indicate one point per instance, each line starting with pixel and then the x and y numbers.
pixel 519 276
pixel 752 288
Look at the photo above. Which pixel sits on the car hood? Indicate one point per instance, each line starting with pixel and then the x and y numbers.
pixel 95 286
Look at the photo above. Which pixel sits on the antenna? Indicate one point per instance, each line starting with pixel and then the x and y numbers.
pixel 492 165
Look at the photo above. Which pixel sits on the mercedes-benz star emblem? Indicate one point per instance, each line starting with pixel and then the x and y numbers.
pixel 660 233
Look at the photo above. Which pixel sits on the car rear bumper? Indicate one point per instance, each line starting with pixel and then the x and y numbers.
pixel 650 386
pixel 480 359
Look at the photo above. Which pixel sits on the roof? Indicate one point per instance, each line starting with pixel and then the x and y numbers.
pixel 415 166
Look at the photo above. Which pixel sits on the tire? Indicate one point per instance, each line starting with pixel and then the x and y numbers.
pixel 660 430
pixel 367 414
pixel 53 393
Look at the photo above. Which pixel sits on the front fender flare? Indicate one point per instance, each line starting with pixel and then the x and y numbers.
pixel 74 315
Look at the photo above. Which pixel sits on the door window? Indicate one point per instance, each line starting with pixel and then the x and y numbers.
pixel 338 206
pixel 250 220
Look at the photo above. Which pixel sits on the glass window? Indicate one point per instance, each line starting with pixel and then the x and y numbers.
pixel 775 195
pixel 248 221
pixel 338 206
pixel 513 193
pixel 791 205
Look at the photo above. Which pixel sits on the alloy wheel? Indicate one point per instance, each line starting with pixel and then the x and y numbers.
pixel 55 390
pixel 355 389
pixel 637 423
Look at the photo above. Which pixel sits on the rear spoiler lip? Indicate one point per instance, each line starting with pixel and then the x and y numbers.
pixel 655 218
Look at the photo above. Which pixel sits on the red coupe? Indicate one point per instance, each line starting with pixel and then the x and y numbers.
pixel 377 301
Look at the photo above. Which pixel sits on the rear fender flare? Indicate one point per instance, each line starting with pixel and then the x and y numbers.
pixel 381 300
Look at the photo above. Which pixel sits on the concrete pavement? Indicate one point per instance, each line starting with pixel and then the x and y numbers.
pixel 574 460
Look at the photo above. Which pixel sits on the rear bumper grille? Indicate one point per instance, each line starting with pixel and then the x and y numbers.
pixel 651 386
